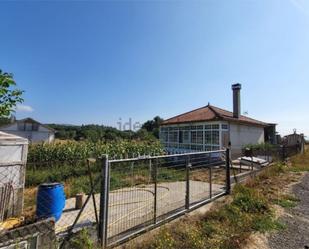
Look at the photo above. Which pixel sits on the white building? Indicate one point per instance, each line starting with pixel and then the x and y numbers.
pixel 30 129
pixel 212 128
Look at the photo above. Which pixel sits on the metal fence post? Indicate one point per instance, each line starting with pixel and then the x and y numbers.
pixel 210 183
pixel 228 174
pixel 155 204
pixel 283 152
pixel 103 217
pixel 188 165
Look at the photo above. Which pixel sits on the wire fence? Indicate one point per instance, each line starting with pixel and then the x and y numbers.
pixel 275 152
pixel 142 193
pixel 118 199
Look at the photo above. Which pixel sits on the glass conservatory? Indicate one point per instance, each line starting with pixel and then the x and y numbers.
pixel 194 137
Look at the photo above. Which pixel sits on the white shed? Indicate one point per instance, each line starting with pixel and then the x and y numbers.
pixel 13 159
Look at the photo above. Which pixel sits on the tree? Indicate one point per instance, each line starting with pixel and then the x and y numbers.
pixel 10 96
pixel 153 126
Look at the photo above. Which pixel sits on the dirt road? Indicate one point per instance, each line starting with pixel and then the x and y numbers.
pixel 296 234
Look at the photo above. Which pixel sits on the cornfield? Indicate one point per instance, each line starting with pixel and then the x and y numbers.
pixel 75 151
pixel 66 162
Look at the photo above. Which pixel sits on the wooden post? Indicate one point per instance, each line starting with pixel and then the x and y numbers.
pixel 79 200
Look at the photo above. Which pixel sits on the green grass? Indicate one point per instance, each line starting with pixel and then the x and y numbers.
pixel 287 201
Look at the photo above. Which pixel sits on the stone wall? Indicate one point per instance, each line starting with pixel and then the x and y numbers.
pixel 39 235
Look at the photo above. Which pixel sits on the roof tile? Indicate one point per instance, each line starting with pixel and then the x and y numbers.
pixel 210 113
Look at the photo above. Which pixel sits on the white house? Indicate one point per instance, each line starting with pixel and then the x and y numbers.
pixel 212 128
pixel 31 129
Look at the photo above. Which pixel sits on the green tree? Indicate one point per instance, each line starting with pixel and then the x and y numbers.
pixel 10 96
pixel 153 126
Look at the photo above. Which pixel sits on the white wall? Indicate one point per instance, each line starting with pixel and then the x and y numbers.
pixel 34 136
pixel 42 135
pixel 240 135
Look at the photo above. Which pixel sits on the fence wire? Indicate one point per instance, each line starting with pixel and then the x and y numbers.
pixel 144 192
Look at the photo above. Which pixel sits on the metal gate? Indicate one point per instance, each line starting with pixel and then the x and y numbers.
pixel 139 194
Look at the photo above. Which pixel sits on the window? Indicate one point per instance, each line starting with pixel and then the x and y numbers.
pixel 21 126
pixel 186 138
pixel 199 137
pixel 164 136
pixel 173 137
pixel 212 137
pixel 224 127
pixel 193 137
pixel 35 126
pixel 27 126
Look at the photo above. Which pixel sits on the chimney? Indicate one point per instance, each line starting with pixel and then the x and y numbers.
pixel 236 100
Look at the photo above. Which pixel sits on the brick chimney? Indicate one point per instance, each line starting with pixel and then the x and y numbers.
pixel 236 100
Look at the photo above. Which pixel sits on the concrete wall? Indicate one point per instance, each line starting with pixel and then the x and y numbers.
pixel 240 135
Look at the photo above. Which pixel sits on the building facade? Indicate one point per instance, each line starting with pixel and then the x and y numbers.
pixel 30 129
pixel 212 128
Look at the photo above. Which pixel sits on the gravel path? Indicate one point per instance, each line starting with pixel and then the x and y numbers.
pixel 296 235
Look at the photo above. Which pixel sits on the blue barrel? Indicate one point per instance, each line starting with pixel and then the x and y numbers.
pixel 50 200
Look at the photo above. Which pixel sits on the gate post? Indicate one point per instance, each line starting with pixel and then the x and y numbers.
pixel 188 166
pixel 104 193
pixel 155 180
pixel 228 174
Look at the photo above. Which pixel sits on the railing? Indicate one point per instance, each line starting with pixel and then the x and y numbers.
pixel 275 152
pixel 142 193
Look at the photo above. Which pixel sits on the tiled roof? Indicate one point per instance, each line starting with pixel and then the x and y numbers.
pixel 211 113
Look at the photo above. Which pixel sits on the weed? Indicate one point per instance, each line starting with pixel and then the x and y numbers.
pixel 82 240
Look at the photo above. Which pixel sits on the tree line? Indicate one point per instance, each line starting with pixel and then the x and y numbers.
pixel 94 133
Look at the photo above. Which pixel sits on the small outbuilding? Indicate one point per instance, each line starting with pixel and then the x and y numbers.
pixel 13 159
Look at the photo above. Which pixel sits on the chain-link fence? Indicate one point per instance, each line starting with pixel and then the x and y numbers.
pixel 74 203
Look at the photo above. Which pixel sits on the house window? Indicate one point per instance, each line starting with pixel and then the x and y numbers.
pixel 224 127
pixel 35 126
pixel 27 126
pixel 193 137
pixel 197 134
pixel 164 136
pixel 212 137
pixel 21 126
pixel 173 135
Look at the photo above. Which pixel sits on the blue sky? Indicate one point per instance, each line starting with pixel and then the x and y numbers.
pixel 96 62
